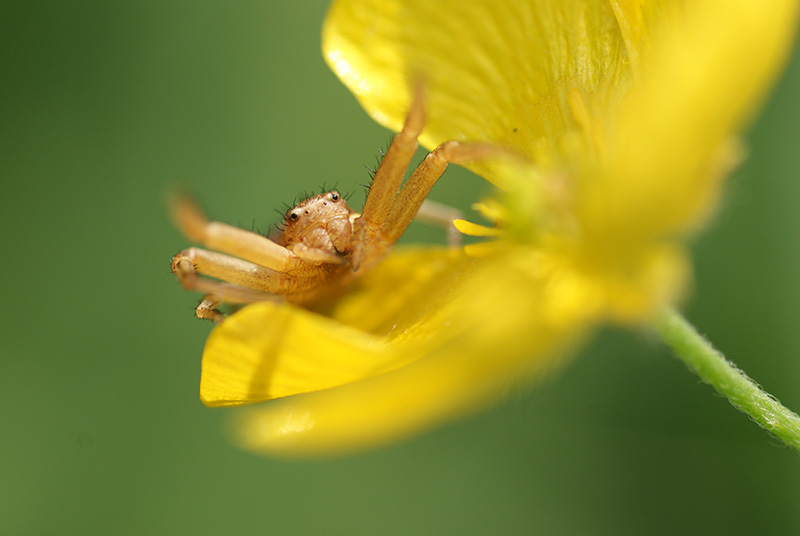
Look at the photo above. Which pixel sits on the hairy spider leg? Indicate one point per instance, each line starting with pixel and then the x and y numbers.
pixel 422 180
pixel 386 183
pixel 241 272
pixel 390 172
pixel 241 281
pixel 215 292
pixel 229 239
pixel 389 209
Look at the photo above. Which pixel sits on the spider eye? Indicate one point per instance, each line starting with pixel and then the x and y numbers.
pixel 293 216
pixel 334 196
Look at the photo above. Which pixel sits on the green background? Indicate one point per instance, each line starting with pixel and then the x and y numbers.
pixel 106 104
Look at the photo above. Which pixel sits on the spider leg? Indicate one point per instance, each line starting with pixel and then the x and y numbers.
pixel 387 180
pixel 243 274
pixel 421 181
pixel 207 309
pixel 229 239
pixel 217 292
pixel 390 172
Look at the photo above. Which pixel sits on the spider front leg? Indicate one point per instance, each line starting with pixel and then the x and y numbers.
pixel 242 281
pixel 388 213
pixel 386 183
pixel 419 185
pixel 216 292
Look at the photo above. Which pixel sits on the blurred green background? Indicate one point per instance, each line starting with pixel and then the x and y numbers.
pixel 107 104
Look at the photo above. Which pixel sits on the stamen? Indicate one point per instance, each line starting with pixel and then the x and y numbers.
pixel 473 229
pixel 491 211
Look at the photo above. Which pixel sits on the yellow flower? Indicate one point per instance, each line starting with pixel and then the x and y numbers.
pixel 623 117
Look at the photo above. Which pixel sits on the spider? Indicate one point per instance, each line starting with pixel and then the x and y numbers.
pixel 324 246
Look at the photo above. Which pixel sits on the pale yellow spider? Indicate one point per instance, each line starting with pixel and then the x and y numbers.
pixel 324 245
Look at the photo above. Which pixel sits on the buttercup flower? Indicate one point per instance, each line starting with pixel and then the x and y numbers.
pixel 616 124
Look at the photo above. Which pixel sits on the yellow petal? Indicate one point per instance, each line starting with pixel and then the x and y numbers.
pixel 491 332
pixel 264 351
pixel 272 350
pixel 493 71
pixel 400 293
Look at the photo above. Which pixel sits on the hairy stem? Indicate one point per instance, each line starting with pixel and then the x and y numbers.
pixel 728 380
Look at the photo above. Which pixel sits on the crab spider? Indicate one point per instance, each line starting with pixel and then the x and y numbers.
pixel 324 245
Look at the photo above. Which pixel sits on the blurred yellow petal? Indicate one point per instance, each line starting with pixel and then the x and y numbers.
pixel 479 352
pixel 671 144
pixel 451 354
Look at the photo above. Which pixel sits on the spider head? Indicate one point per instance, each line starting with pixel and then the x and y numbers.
pixel 322 212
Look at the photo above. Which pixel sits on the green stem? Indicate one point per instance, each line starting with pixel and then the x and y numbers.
pixel 728 380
